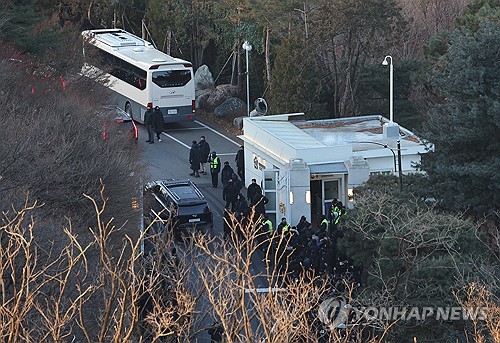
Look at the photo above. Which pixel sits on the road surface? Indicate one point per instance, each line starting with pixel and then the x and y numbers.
pixel 170 158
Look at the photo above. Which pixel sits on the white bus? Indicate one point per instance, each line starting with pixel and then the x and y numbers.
pixel 139 74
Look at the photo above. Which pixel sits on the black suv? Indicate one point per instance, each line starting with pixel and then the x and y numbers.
pixel 179 201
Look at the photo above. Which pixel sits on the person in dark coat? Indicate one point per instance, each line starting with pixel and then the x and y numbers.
pixel 259 204
pixel 230 193
pixel 237 182
pixel 253 189
pixel 214 161
pixel 240 163
pixel 194 159
pixel 226 173
pixel 148 121
pixel 204 152
pixel 216 332
pixel 241 205
pixel 158 122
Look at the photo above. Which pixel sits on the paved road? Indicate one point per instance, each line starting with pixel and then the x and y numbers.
pixel 169 158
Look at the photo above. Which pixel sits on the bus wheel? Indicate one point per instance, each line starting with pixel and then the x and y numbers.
pixel 128 109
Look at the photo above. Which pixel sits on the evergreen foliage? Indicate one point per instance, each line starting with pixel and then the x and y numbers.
pixel 410 254
pixel 349 35
pixel 296 84
pixel 464 169
pixel 374 91
pixel 21 28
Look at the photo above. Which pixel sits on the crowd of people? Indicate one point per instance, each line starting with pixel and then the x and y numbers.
pixel 294 248
pixel 301 247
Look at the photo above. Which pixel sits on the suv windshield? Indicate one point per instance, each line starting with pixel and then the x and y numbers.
pixel 171 78
pixel 192 209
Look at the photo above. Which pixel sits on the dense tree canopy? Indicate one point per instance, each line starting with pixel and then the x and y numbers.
pixel 411 254
pixel 464 169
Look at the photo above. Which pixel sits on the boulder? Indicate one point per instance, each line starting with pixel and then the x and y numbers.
pixel 202 96
pixel 230 108
pixel 220 94
pixel 203 78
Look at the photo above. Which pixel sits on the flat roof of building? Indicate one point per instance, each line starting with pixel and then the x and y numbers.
pixel 362 132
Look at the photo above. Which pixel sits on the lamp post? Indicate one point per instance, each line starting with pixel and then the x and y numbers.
pixel 391 88
pixel 387 147
pixel 247 47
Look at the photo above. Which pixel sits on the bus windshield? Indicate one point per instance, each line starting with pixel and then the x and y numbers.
pixel 171 78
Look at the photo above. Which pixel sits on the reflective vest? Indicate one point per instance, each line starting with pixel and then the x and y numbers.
pixel 334 209
pixel 324 221
pixel 214 162
pixel 285 228
pixel 341 214
pixel 269 225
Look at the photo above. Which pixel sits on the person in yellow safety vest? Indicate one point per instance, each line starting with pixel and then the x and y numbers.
pixel 283 227
pixel 340 211
pixel 335 210
pixel 266 227
pixel 324 227
pixel 214 168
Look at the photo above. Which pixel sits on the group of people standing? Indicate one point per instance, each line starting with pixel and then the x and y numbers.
pixel 244 209
pixel 198 157
pixel 201 160
pixel 154 123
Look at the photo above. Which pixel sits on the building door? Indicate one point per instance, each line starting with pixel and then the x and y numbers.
pixel 270 190
pixel 330 191
pixel 316 202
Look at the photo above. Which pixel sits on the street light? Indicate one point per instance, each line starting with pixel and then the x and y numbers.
pixel 400 169
pixel 385 146
pixel 391 88
pixel 247 47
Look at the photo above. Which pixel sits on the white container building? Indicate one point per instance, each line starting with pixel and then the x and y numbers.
pixel 303 165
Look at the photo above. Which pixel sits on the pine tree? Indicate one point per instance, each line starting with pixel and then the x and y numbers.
pixel 464 128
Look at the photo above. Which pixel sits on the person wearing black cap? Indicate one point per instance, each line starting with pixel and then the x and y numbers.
pixel 226 173
pixel 204 153
pixel 240 163
pixel 148 121
pixel 230 193
pixel 158 122
pixel 253 189
pixel 214 161
pixel 194 159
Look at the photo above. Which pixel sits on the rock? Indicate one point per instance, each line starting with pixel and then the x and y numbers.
pixel 231 107
pixel 238 122
pixel 203 78
pixel 220 94
pixel 202 96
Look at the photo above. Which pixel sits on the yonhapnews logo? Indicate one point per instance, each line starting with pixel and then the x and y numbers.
pixel 336 312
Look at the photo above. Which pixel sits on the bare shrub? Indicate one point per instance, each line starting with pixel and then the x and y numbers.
pixel 52 146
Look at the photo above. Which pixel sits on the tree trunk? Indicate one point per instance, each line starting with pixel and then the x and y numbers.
pixel 236 66
pixel 89 12
pixel 335 73
pixel 167 44
pixel 268 58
